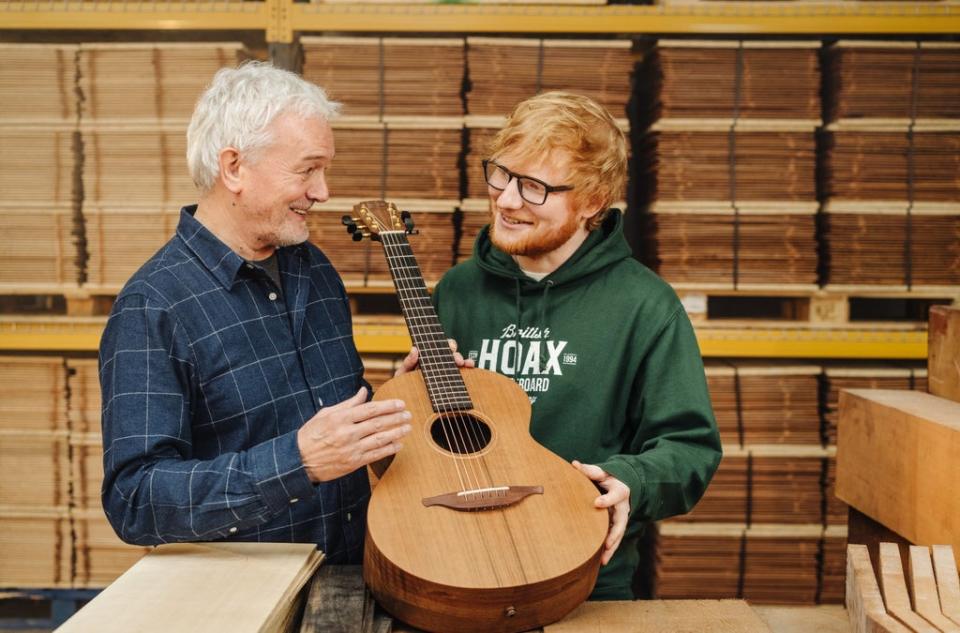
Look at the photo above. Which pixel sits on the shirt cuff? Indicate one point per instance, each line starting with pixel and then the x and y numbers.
pixel 279 472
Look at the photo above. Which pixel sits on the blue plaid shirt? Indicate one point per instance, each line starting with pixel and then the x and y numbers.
pixel 207 372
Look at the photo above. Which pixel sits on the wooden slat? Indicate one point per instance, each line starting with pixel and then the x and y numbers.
pixel 943 352
pixel 339 603
pixel 864 603
pixel 923 588
pixel 945 566
pixel 894 587
pixel 896 462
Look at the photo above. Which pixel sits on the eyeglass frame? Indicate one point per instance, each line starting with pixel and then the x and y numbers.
pixel 548 189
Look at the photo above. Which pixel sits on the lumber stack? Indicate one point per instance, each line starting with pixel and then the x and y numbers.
pixel 136 102
pixel 204 586
pixel 892 210
pixel 726 169
pixel 765 564
pixel 505 71
pixel 41 154
pixel 35 539
pixel 387 78
pixel 727 499
pixel 765 403
pixel 833 575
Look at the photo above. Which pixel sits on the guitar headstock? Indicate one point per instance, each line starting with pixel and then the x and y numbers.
pixel 372 217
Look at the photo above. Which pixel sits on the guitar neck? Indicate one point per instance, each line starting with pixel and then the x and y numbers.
pixel 440 372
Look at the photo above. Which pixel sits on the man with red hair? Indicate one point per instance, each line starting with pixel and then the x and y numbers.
pixel 601 345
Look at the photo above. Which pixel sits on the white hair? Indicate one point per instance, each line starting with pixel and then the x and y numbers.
pixel 238 107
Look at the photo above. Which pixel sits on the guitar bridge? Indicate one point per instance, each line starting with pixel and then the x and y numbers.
pixel 483 498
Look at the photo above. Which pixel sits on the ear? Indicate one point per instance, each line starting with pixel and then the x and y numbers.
pixel 230 174
pixel 590 209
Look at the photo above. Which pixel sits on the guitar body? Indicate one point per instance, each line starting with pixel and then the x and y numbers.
pixel 510 568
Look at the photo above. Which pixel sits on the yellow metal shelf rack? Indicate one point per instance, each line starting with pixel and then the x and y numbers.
pixel 280 19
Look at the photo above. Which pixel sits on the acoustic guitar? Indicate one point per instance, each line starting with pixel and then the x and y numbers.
pixel 474 526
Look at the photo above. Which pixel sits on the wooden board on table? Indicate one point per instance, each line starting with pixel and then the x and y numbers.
pixel 943 352
pixel 896 462
pixel 662 616
pixel 229 587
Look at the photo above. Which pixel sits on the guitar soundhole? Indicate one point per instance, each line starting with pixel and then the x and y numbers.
pixel 460 433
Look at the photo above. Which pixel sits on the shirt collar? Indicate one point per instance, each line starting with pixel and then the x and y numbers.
pixel 219 259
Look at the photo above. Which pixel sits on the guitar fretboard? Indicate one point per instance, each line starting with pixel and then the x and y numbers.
pixel 442 376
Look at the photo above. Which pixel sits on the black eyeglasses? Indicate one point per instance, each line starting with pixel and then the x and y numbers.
pixel 532 190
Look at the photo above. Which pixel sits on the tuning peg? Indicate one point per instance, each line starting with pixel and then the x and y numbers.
pixel 357 235
pixel 346 220
pixel 375 237
pixel 407 221
pixel 352 228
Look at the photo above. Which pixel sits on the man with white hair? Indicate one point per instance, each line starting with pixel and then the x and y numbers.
pixel 234 405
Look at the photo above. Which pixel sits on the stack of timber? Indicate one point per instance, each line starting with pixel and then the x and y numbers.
pixel 702 79
pixel 765 403
pixel 99 555
pixel 35 536
pixel 38 134
pixel 727 178
pixel 382 78
pixel 892 80
pixel 943 350
pixel 833 572
pixel 378 369
pixel 892 210
pixel 136 101
pixel 205 586
pixel 766 564
pixel 786 484
pixel 505 71
pixel 916 591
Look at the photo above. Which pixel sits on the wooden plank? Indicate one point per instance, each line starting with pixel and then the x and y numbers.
pixel 894 588
pixel 948 583
pixel 210 587
pixel 923 588
pixel 896 462
pixel 662 616
pixel 864 604
pixel 943 352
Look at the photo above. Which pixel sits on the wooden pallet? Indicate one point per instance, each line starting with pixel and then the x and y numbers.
pixel 834 305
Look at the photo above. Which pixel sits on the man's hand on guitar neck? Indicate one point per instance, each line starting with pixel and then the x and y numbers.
pixel 413 359
pixel 349 435
pixel 616 499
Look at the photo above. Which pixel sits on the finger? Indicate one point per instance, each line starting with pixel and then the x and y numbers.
pixel 376 441
pixel 374 411
pixel 409 362
pixel 614 495
pixel 379 453
pixel 356 399
pixel 453 345
pixel 595 473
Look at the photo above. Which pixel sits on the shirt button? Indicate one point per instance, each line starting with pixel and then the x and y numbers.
pixel 250 266
pixel 233 530
pixel 349 517
pixel 294 500
pixel 272 296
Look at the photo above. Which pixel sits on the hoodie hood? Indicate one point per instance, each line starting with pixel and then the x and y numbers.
pixel 603 247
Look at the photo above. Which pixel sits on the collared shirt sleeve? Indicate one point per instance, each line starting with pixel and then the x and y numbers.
pixel 155 489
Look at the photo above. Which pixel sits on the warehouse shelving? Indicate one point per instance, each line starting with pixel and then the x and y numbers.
pixel 281 18
pixel 765 339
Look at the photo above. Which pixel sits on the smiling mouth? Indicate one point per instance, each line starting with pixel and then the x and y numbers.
pixel 301 212
pixel 513 221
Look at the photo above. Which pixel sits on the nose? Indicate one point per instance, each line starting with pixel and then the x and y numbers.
pixel 318 191
pixel 510 198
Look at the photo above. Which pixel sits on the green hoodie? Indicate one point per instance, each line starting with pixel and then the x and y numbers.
pixel 611 365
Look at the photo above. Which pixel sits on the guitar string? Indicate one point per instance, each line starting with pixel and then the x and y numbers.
pixel 433 351
pixel 453 421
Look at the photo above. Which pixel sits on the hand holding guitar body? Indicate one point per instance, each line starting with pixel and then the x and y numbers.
pixel 616 499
